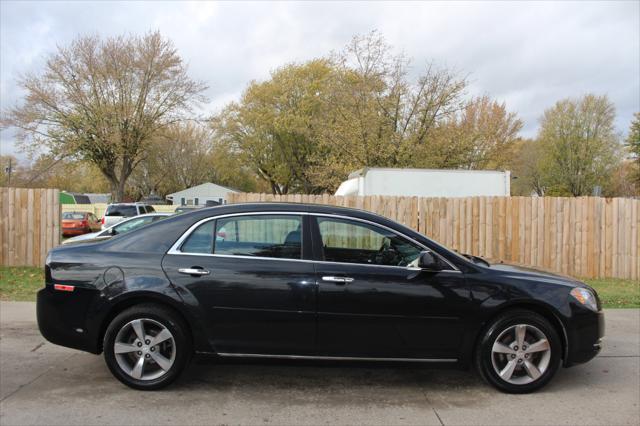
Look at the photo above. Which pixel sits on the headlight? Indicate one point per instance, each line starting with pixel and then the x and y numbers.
pixel 585 297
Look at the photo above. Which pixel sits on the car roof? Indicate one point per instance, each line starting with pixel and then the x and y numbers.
pixel 147 215
pixel 137 203
pixel 285 206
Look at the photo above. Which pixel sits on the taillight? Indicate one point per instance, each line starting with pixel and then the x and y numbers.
pixel 84 223
pixel 102 220
pixel 62 287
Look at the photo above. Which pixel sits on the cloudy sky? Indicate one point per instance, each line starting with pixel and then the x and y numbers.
pixel 528 55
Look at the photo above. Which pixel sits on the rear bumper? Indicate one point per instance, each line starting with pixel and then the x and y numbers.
pixel 75 231
pixel 61 318
pixel 585 337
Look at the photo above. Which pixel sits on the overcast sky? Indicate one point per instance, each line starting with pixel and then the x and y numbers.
pixel 528 55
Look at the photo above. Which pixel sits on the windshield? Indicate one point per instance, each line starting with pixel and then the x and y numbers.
pixel 72 216
pixel 121 210
pixel 132 224
pixel 136 223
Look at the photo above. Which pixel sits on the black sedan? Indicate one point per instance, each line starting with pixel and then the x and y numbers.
pixel 300 281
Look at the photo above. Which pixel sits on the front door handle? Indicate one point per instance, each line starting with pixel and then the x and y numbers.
pixel 338 280
pixel 193 271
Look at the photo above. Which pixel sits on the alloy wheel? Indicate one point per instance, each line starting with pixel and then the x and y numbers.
pixel 521 354
pixel 144 349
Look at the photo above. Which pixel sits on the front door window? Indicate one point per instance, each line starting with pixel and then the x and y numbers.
pixel 355 242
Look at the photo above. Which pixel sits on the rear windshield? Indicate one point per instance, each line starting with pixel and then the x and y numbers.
pixel 72 216
pixel 121 210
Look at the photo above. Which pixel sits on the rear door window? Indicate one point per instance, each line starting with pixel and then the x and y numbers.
pixel 275 236
pixel 200 241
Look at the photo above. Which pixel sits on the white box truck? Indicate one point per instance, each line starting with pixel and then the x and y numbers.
pixel 427 183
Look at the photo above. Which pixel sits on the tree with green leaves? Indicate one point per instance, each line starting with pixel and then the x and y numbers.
pixel 579 145
pixel 528 169
pixel 275 126
pixel 481 136
pixel 633 144
pixel 310 125
pixel 103 100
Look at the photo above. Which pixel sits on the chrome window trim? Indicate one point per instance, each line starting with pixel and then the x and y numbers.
pixel 175 248
pixel 335 358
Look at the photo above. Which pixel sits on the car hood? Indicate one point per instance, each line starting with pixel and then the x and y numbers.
pixel 537 274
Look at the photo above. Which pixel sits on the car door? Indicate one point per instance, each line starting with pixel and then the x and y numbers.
pixel 373 300
pixel 94 223
pixel 254 281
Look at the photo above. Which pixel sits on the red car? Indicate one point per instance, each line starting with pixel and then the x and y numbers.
pixel 78 223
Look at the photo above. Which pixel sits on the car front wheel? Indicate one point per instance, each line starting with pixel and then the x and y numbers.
pixel 147 347
pixel 519 353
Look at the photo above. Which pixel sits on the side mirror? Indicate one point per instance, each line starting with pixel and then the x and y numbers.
pixel 429 261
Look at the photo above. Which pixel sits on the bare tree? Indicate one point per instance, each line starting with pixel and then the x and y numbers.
pixel 103 101
pixel 186 150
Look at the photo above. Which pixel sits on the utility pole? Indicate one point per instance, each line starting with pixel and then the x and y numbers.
pixel 8 171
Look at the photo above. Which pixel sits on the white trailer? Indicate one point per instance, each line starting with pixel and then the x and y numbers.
pixel 427 183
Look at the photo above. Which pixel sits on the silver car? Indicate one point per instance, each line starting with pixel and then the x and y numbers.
pixel 123 227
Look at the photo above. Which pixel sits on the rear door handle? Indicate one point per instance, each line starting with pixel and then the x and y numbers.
pixel 338 280
pixel 193 271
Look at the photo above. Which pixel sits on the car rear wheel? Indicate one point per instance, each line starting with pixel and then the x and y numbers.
pixel 147 347
pixel 520 352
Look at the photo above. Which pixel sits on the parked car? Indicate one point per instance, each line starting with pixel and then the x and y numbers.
pixel 186 209
pixel 78 223
pixel 296 281
pixel 118 212
pixel 123 227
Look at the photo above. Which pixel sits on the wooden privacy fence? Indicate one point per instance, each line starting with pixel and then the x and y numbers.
pixel 586 237
pixel 29 225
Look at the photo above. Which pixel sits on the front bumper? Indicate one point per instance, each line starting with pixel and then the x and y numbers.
pixel 61 318
pixel 586 335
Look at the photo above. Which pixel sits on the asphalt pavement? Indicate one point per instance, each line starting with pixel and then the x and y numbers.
pixel 41 383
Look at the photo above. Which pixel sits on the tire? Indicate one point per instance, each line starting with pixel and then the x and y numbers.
pixel 162 362
pixel 508 367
